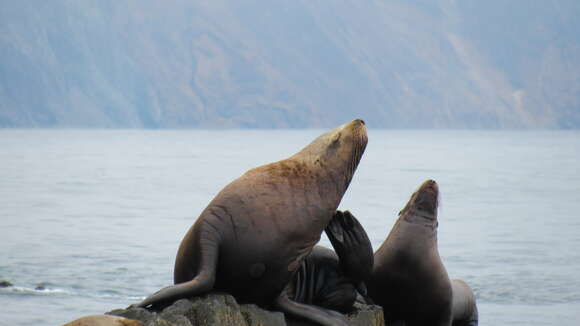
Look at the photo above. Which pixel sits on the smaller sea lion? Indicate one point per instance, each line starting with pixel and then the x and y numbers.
pixel 409 279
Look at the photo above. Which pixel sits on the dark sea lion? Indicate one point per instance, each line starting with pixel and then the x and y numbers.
pixel 409 279
pixel 254 235
pixel 333 279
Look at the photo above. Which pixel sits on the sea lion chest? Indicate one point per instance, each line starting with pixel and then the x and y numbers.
pixel 410 273
pixel 271 221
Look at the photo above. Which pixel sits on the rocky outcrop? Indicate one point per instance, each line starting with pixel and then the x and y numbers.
pixel 222 309
pixel 362 315
pixel 5 284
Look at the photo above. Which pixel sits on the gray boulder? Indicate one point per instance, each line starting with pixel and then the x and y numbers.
pixel 362 315
pixel 222 309
pixel 5 284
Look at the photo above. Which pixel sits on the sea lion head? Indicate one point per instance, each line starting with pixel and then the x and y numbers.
pixel 424 202
pixel 339 150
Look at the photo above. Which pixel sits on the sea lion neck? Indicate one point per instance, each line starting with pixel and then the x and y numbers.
pixel 336 153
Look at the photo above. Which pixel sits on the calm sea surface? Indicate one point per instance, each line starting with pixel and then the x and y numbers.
pixel 96 215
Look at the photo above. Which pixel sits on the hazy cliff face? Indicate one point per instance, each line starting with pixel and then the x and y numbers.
pixel 419 64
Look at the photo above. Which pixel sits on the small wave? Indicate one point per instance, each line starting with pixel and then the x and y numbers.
pixel 57 292
pixel 112 295
pixel 33 291
pixel 528 289
pixel 107 294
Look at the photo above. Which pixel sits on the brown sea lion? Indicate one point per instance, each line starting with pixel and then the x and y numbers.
pixel 254 235
pixel 409 279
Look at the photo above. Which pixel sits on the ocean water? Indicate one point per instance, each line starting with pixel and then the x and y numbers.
pixel 96 215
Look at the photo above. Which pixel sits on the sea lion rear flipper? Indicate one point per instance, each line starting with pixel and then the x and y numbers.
pixel 313 313
pixel 167 295
pixel 202 283
pixel 352 245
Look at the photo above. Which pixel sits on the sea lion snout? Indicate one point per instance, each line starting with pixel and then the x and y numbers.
pixel 424 201
pixel 356 127
pixel 430 186
pixel 359 130
pixel 427 198
pixel 357 124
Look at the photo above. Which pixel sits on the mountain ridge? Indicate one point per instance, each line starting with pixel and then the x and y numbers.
pixel 300 64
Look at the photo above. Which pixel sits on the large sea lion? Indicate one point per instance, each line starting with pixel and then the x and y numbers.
pixel 254 235
pixel 409 279
pixel 334 279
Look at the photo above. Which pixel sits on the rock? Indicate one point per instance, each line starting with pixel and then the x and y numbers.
pixel 103 320
pixel 256 316
pixel 222 309
pixel 140 314
pixel 5 284
pixel 362 315
pixel 217 309
pixel 179 313
pixel 365 315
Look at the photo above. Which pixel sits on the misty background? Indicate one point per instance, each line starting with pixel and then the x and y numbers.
pixel 290 64
pixel 96 216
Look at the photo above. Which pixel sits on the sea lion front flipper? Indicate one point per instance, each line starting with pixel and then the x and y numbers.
pixel 352 245
pixel 316 314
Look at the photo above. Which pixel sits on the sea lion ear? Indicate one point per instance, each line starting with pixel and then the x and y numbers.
pixel 336 138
